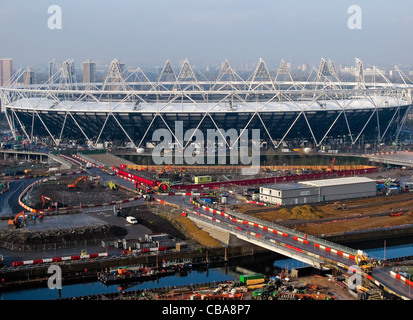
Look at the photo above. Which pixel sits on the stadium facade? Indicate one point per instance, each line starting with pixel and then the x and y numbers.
pixel 129 109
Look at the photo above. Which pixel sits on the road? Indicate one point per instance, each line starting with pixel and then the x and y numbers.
pixel 9 201
pixel 400 159
pixel 254 232
pixel 383 276
pixel 89 217
pixel 246 227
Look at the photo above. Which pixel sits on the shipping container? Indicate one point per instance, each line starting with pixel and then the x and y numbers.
pixel 254 278
pixel 202 179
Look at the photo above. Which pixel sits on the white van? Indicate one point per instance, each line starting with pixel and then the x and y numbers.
pixel 131 220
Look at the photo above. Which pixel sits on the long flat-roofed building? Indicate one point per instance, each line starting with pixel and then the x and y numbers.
pixel 318 191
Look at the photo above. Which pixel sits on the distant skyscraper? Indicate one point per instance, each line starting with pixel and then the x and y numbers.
pixel 51 69
pixel 28 77
pixel 6 71
pixel 89 69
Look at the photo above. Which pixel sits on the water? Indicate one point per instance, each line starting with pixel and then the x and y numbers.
pixel 376 253
pixel 192 277
pixel 83 289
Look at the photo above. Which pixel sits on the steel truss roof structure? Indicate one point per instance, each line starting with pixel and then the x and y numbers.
pixel 129 108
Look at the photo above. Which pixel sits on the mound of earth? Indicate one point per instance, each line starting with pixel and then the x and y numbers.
pixel 304 212
pixel 27 237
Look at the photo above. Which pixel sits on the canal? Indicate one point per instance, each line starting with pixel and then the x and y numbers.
pixel 264 263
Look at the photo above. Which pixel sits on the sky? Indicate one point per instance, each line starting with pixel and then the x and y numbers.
pixel 147 33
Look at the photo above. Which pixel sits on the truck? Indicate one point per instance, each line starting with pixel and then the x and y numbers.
pixel 206 200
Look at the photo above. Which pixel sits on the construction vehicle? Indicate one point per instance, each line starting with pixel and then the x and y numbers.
pixel 163 187
pixel 74 185
pixel 387 182
pixel 95 180
pixel 122 271
pixel 44 198
pixel 262 293
pixel 298 296
pixel 163 170
pixel 112 185
pixel 339 205
pixel 364 262
pixel 331 166
pixel 19 220
pixel 147 197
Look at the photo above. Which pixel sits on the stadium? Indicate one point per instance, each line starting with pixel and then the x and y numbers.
pixel 127 110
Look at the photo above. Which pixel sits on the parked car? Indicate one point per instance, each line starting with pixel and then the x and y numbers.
pixel 131 220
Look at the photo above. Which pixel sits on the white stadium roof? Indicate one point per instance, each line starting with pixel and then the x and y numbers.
pixel 39 104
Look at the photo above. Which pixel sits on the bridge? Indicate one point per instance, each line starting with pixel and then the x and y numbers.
pixel 36 155
pixel 394 158
pixel 309 249
pixel 314 251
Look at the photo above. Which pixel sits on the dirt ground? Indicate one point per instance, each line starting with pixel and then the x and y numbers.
pixel 326 219
pixel 85 193
pixel 161 219
pixel 28 237
pixel 147 216
pixel 155 217
pixel 324 285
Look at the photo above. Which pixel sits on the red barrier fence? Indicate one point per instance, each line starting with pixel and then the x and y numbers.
pixel 282 179
pixel 248 182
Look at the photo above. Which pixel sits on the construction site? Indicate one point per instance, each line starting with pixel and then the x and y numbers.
pixel 241 192
pixel 73 191
pixel 90 204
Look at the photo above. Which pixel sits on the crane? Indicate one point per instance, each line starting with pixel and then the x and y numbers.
pixel 74 185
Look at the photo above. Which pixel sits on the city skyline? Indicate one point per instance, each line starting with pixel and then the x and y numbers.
pixel 147 34
pixel 88 72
